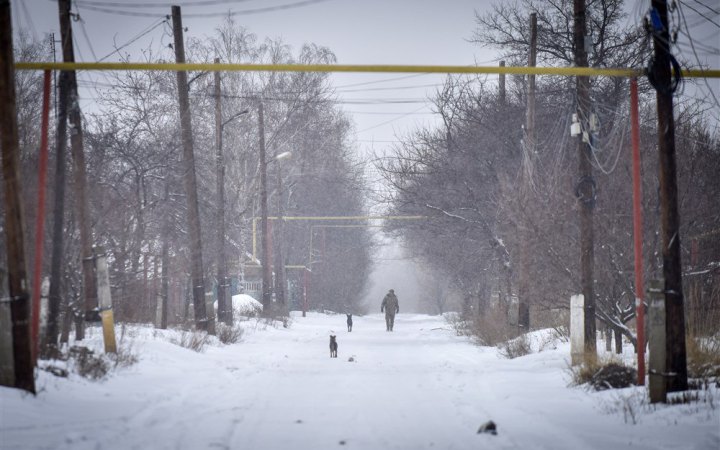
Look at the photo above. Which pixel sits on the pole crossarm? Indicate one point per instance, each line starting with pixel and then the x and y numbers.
pixel 358 68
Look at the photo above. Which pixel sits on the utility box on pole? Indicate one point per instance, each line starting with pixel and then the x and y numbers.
pixel 656 326
pixel 577 329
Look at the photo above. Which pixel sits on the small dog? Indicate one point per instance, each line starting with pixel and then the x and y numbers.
pixel 333 346
pixel 349 321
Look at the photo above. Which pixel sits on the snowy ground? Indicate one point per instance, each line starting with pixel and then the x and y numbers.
pixel 419 387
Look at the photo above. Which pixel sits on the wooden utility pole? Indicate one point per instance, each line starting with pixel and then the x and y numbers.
pixel 80 182
pixel 224 313
pixel 529 157
pixel 52 332
pixel 585 189
pixel 18 295
pixel 670 217
pixel 265 234
pixel 196 263
pixel 164 288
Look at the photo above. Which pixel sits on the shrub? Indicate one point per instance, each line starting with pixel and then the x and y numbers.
pixel 703 356
pixel 124 357
pixel 87 364
pixel 514 348
pixel 608 375
pixel 228 334
pixel 193 340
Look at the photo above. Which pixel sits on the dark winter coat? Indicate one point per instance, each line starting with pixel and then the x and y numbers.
pixel 390 304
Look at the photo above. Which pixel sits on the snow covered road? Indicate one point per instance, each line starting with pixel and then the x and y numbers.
pixel 419 387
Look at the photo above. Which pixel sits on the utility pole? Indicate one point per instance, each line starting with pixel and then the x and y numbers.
pixel 76 147
pixel 164 285
pixel 18 283
pixel 675 352
pixel 529 156
pixel 198 282
pixel 224 313
pixel 585 190
pixel 501 84
pixel 266 263
pixel 280 228
pixel 52 332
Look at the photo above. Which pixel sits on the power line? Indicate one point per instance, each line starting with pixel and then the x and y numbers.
pixel 700 14
pixel 692 44
pixel 714 11
pixel 134 39
pixel 419 86
pixel 230 13
pixel 84 31
pixel 387 122
pixel 158 4
pixel 383 81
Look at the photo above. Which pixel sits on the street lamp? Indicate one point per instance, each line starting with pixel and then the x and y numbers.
pixel 265 235
pixel 224 312
pixel 280 263
pixel 264 225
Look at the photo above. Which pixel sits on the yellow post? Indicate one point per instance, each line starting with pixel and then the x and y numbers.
pixel 108 324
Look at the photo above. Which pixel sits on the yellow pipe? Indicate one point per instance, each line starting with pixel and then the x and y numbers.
pixel 564 71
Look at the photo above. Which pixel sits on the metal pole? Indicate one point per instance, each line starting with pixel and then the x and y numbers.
pixel 265 235
pixel 280 264
pixel 224 313
pixel 637 232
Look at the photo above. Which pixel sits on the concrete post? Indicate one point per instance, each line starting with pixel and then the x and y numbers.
pixel 105 300
pixel 158 311
pixel 7 365
pixel 656 329
pixel 210 312
pixel 577 329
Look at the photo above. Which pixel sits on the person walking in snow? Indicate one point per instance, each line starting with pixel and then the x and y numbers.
pixel 391 307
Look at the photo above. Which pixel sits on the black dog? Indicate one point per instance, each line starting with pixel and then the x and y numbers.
pixel 333 347
pixel 349 321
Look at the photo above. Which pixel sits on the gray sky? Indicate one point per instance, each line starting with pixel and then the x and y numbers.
pixel 358 32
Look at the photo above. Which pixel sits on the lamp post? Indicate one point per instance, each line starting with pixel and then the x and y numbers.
pixel 224 310
pixel 265 235
pixel 279 254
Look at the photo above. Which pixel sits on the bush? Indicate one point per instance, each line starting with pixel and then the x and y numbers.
pixel 514 348
pixel 124 357
pixel 228 334
pixel 703 356
pixel 193 340
pixel 87 364
pixel 601 376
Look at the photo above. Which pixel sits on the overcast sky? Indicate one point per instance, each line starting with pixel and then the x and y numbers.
pixel 358 32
